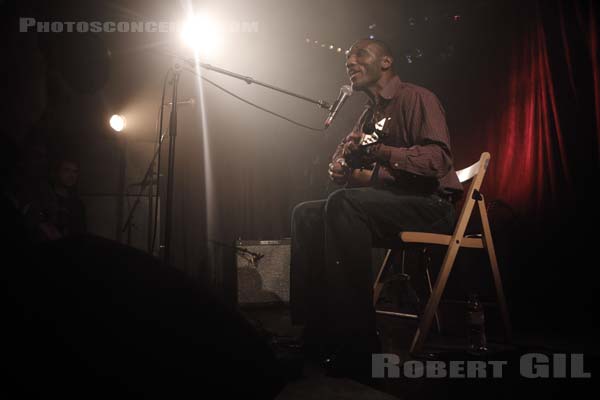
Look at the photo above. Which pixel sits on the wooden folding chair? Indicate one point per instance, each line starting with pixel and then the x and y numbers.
pixel 454 242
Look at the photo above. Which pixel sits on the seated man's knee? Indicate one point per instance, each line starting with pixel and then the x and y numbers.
pixel 306 213
pixel 337 201
pixel 299 212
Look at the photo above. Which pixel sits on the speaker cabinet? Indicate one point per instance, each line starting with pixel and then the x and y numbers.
pixel 263 271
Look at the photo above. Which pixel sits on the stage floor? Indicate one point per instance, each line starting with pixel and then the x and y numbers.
pixel 447 347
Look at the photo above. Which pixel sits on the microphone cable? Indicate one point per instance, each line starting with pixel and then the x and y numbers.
pixel 255 105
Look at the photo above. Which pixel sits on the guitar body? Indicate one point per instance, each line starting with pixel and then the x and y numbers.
pixel 360 177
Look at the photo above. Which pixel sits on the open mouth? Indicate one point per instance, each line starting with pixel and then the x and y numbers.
pixel 354 74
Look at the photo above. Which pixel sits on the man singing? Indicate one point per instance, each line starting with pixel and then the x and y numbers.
pixel 403 182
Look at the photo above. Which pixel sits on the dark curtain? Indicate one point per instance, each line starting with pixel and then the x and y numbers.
pixel 543 133
pixel 545 136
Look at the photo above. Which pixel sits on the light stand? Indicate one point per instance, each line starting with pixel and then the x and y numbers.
pixel 148 180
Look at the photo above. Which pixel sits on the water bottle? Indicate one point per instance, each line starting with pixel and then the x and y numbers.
pixel 476 325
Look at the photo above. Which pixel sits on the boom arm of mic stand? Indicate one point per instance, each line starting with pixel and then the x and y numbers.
pixel 250 80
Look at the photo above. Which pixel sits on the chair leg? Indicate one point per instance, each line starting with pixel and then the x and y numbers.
pixel 425 261
pixel 489 246
pixel 429 286
pixel 434 299
pixel 378 285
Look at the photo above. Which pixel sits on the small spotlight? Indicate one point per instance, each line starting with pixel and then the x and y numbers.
pixel 371 36
pixel 372 26
pixel 118 122
pixel 307 40
pixel 330 47
pixel 339 49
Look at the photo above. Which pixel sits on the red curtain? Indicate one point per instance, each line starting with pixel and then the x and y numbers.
pixel 545 137
pixel 593 44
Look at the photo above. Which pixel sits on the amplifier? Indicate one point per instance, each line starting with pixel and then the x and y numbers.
pixel 263 271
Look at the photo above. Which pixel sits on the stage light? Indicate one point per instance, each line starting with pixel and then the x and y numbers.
pixel 202 34
pixel 118 122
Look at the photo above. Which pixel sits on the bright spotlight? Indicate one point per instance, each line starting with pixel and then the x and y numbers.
pixel 118 122
pixel 202 34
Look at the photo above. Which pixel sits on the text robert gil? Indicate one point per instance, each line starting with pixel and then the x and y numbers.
pixel 531 365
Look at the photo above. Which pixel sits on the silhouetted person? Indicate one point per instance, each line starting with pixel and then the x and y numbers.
pixel 58 211
pixel 89 318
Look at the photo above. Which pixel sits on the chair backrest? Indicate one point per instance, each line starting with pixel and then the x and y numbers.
pixel 467 173
pixel 476 173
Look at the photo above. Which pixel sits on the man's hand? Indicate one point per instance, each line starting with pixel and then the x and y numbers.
pixel 351 145
pixel 339 171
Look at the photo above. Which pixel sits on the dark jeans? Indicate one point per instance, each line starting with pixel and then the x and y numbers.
pixel 331 278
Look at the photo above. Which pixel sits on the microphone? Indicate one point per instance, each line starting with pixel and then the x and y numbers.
pixel 190 101
pixel 345 92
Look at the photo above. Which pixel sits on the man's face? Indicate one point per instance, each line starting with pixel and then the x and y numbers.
pixel 363 65
pixel 68 173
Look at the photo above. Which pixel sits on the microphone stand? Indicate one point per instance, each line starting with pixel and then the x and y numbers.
pixel 166 247
pixel 143 184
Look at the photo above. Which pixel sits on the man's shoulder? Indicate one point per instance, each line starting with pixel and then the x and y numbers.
pixel 410 96
pixel 413 90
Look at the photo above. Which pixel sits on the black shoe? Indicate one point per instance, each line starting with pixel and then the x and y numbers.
pixel 315 345
pixel 353 361
pixel 354 366
pixel 315 351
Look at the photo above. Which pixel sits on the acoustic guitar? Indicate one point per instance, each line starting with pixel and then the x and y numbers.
pixel 361 173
